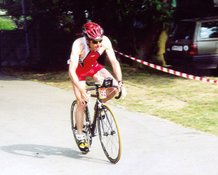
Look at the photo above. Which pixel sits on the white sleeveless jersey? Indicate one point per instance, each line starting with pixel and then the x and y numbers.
pixel 81 45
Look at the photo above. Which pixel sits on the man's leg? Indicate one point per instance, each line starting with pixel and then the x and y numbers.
pixel 79 110
pixel 79 118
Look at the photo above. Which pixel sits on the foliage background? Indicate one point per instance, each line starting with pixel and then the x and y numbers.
pixel 135 27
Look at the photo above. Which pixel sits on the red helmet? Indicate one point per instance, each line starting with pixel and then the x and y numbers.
pixel 92 30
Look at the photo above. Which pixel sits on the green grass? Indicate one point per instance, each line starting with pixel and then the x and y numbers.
pixel 187 102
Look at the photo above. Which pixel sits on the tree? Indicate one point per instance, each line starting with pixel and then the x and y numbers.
pixel 133 25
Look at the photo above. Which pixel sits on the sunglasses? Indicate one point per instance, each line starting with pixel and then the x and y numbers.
pixel 96 41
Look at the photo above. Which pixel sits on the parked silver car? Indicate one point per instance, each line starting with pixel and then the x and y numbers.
pixel 194 42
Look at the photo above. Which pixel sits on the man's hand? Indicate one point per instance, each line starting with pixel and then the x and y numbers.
pixel 84 96
pixel 122 89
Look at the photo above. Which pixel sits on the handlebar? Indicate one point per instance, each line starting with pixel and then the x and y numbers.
pixel 119 95
pixel 107 83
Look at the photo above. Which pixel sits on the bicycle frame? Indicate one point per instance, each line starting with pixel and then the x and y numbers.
pixel 98 104
pixel 97 108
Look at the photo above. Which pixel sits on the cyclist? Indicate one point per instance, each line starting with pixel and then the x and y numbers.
pixel 83 63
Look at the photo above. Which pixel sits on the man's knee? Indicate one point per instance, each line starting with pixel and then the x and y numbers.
pixel 81 106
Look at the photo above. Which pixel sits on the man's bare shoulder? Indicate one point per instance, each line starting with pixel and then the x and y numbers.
pixel 106 42
pixel 105 38
pixel 79 40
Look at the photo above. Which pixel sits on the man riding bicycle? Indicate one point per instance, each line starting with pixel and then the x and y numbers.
pixel 83 63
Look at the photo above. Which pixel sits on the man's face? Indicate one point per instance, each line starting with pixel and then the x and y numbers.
pixel 94 45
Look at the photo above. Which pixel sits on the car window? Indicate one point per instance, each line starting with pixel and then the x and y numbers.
pixel 209 30
pixel 184 30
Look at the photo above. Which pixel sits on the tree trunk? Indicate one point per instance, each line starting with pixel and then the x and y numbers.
pixel 158 58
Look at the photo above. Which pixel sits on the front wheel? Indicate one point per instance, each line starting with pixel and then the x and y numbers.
pixel 109 134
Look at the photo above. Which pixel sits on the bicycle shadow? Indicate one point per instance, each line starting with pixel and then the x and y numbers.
pixel 42 151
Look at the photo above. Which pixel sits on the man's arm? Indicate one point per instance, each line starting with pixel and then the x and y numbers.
pixel 74 60
pixel 73 63
pixel 113 60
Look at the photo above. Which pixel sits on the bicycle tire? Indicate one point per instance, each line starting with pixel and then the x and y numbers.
pixel 86 126
pixel 109 134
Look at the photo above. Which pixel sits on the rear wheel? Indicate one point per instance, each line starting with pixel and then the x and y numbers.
pixel 86 125
pixel 109 134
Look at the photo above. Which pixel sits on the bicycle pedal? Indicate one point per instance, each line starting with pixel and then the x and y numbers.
pixel 84 147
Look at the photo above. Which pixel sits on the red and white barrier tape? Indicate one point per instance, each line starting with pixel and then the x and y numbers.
pixel 170 71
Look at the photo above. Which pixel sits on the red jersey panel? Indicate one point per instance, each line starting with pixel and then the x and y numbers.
pixel 89 66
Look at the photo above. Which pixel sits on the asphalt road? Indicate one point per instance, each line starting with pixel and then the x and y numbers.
pixel 36 139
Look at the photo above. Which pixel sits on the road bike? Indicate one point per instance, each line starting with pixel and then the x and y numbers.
pixel 102 123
